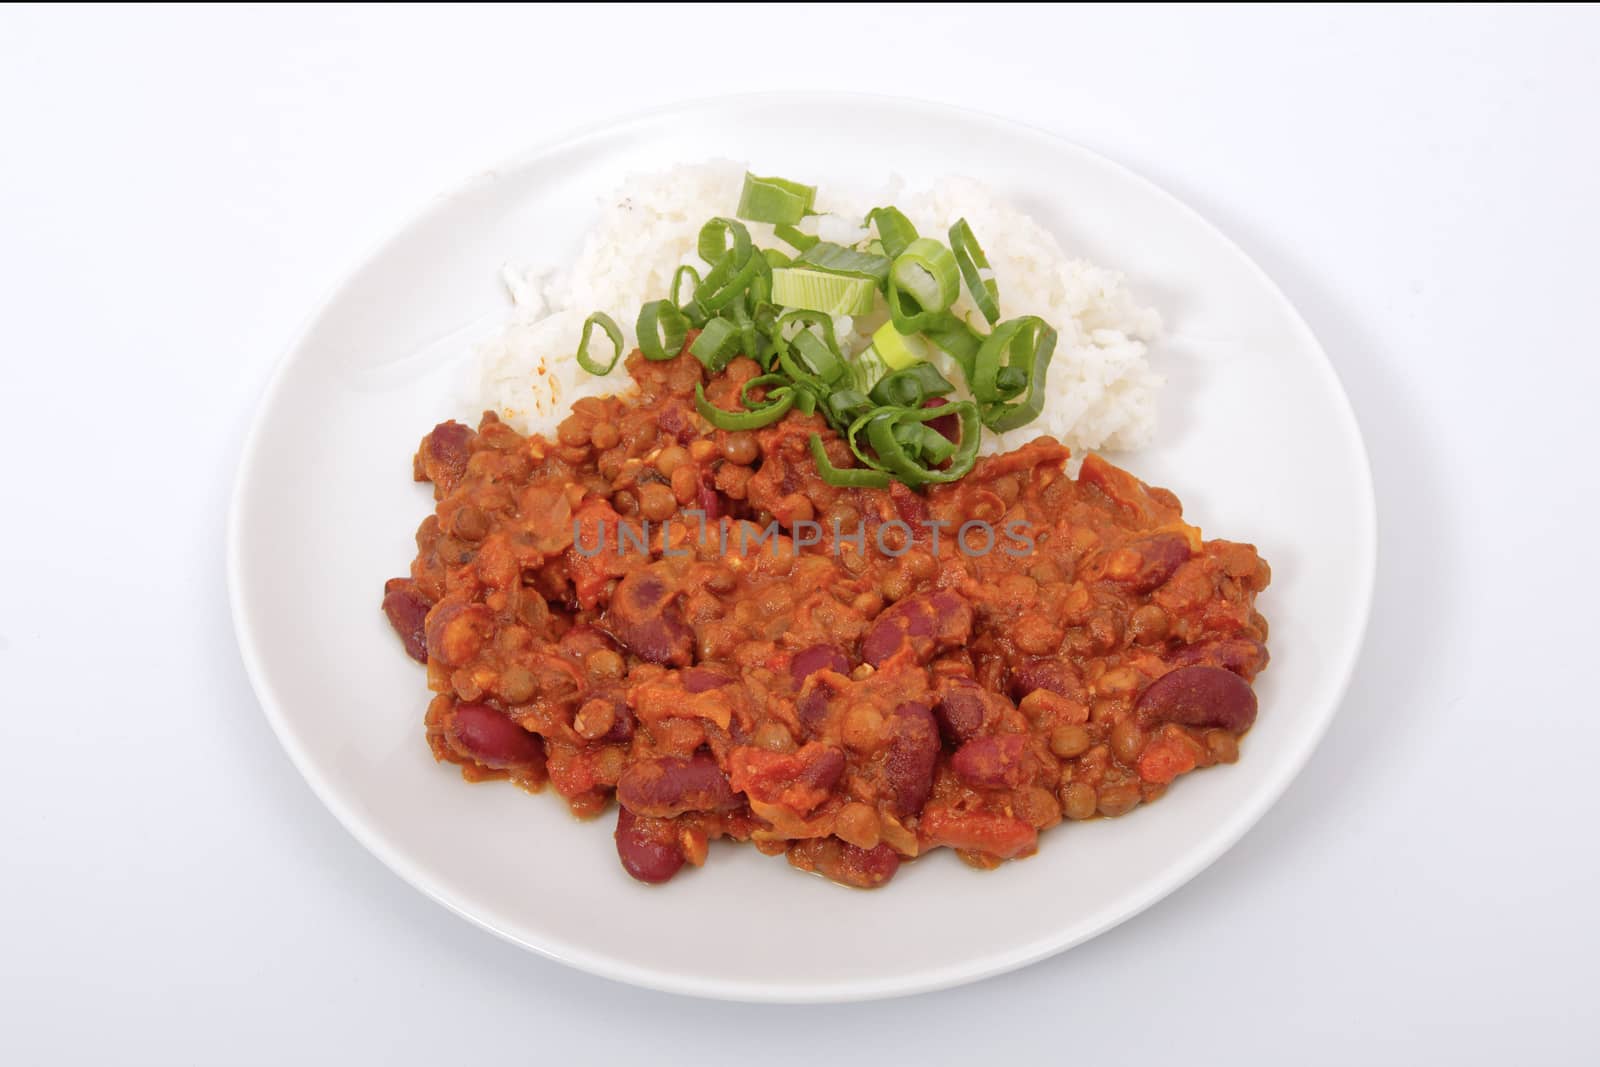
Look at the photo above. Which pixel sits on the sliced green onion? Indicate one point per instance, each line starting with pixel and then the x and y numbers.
pixel 910 387
pixel 850 477
pixel 844 406
pixel 837 259
pixel 818 290
pixel 773 382
pixel 661 329
pixel 862 422
pixel 1010 381
pixel 1022 345
pixel 675 291
pixel 718 342
pixel 759 345
pixel 805 400
pixel 742 420
pixel 923 282
pixel 728 281
pixel 954 337
pixel 612 330
pixel 808 356
pixel 818 357
pixel 895 231
pixel 696 313
pixel 712 244
pixel 759 291
pixel 897 349
pixel 868 369
pixel 775 200
pixel 927 444
pixel 973 263
pixel 907 467
pixel 776 258
pixel 795 238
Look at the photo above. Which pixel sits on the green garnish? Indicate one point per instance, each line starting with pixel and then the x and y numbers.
pixel 661 329
pixel 775 200
pixel 613 331
pixel 778 310
pixel 1014 360
pixel 837 259
pixel 819 290
pixel 717 344
pixel 923 282
pixel 895 231
pixel 972 262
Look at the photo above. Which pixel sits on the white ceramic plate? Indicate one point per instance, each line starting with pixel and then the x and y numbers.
pixel 1256 437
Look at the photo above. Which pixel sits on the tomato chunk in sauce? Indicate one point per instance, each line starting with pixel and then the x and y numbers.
pixel 690 622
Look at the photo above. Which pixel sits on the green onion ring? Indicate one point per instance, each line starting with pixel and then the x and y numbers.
pixel 837 259
pixel 775 200
pixel 741 420
pixel 718 343
pixel 675 291
pixel 1025 344
pixel 923 283
pixel 894 459
pixel 844 406
pixel 612 330
pixel 908 388
pixel 661 329
pixel 849 477
pixel 894 229
pixel 955 338
pixel 774 382
pixel 789 235
pixel 972 262
pixel 727 281
pixel 712 244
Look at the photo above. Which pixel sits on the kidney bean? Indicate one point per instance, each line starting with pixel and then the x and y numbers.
pixel 645 848
pixel 706 498
pixel 1240 655
pixel 1155 559
pixel 809 661
pixel 962 710
pixel 407 611
pixel 646 618
pixel 702 679
pixel 913 752
pixel 443 454
pixel 622 725
pixel 484 735
pixel 823 766
pixel 668 786
pixel 456 630
pixel 1199 696
pixel 991 762
pixel 865 868
pixel 948 425
pixel 926 624
pixel 1051 674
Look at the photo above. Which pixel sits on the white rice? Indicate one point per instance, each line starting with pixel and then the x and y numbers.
pixel 1101 391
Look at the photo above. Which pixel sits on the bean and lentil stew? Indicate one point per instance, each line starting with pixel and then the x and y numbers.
pixel 587 620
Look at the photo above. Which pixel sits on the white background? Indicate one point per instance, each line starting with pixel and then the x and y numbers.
pixel 179 189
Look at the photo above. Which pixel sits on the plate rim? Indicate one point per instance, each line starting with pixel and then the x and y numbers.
pixel 929 979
